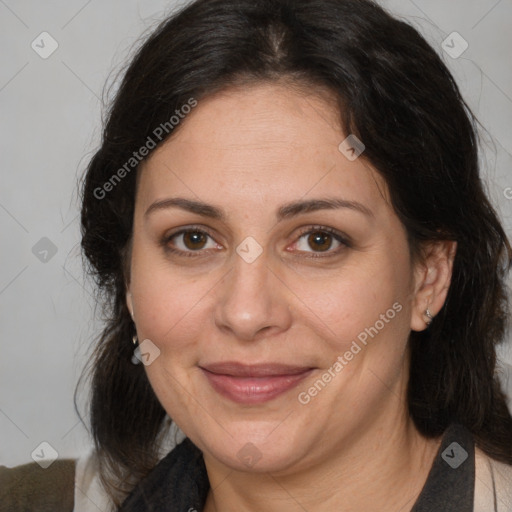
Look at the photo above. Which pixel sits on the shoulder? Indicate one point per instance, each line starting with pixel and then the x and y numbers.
pixel 493 484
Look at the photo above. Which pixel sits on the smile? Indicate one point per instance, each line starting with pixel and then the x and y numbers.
pixel 253 384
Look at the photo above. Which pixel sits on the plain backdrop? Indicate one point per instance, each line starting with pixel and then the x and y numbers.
pixel 51 111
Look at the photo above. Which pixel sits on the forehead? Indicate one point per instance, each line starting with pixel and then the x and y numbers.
pixel 266 140
pixel 268 113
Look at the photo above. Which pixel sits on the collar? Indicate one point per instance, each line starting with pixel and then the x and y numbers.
pixel 450 483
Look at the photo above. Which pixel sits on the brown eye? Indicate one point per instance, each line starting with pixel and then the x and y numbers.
pixel 194 240
pixel 189 242
pixel 320 241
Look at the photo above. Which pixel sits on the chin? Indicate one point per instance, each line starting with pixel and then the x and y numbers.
pixel 255 451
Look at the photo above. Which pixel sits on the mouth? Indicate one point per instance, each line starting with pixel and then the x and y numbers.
pixel 253 384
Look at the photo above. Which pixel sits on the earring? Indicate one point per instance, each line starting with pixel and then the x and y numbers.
pixel 135 360
pixel 429 315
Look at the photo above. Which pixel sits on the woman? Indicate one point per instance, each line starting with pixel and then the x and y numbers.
pixel 287 219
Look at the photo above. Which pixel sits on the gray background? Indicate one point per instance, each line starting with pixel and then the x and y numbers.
pixel 50 125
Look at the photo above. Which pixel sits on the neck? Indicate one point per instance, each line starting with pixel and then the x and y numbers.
pixel 386 464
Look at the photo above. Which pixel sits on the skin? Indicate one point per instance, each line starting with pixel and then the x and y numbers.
pixel 248 152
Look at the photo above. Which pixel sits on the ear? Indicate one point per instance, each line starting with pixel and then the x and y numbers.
pixel 432 277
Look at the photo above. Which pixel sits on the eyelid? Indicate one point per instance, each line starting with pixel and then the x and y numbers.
pixel 186 229
pixel 325 229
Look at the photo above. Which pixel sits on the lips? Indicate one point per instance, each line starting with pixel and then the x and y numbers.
pixel 253 384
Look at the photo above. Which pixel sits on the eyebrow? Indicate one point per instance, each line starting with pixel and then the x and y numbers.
pixel 285 212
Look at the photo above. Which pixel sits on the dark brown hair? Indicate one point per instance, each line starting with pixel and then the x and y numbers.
pixel 398 97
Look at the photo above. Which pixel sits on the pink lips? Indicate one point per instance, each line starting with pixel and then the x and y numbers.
pixel 253 384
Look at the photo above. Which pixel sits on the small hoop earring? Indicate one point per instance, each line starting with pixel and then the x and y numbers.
pixel 135 360
pixel 429 315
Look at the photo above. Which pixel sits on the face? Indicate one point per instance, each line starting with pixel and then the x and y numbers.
pixel 274 279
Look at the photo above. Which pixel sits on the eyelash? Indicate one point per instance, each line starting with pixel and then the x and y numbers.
pixel 339 237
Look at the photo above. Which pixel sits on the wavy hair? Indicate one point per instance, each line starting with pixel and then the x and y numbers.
pixel 396 94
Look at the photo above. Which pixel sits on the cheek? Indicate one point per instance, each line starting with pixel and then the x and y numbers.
pixel 368 297
pixel 170 306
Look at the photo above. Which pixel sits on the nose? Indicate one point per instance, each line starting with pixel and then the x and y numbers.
pixel 252 302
